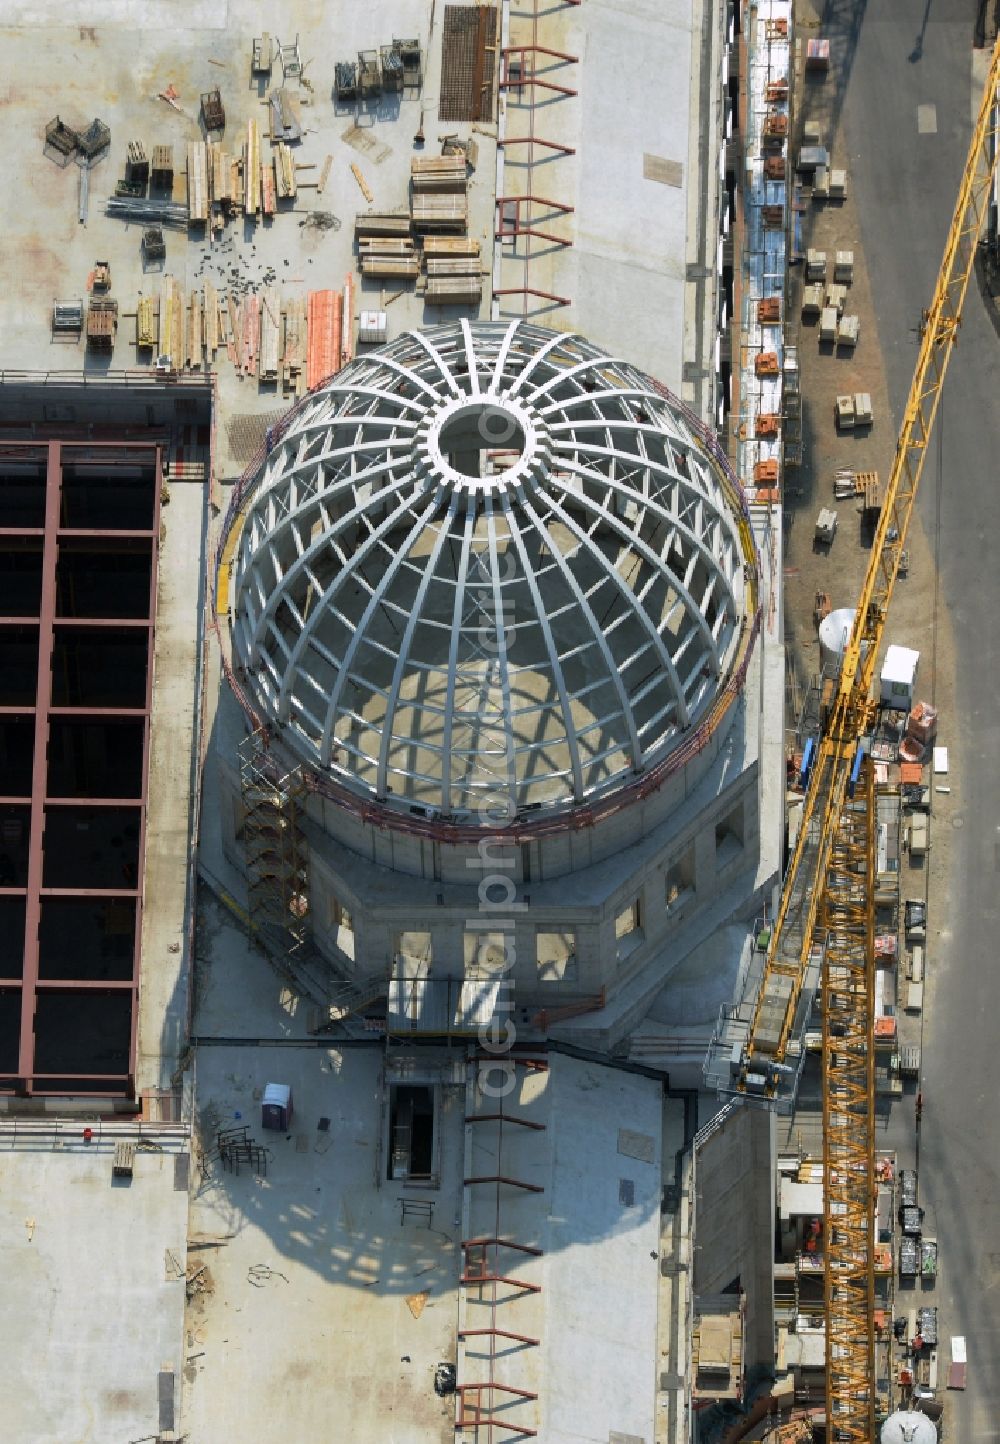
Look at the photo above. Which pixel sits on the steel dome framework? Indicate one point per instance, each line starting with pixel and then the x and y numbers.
pixel 488 569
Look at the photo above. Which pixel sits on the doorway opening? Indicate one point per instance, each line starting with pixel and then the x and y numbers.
pixel 412 1119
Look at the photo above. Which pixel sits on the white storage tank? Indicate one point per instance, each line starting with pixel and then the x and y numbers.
pixel 834 630
pixel 906 1426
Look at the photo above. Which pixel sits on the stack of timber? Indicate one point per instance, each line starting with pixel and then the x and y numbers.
pixel 450 246
pixel 293 349
pixel 270 334
pixel 382 223
pixel 436 212
pixel 171 318
pixel 454 291
pixel 441 173
pixel 251 170
pixel 268 200
pixel 146 323
pixel 379 267
pixel 193 337
pixel 250 339
pixel 211 320
pixel 347 330
pixel 197 181
pixel 325 327
pixel 284 172
pixel 221 164
pixel 384 257
pixel 452 266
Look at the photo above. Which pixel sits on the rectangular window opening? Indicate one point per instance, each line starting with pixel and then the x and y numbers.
pixel 486 955
pixel 679 881
pixel 628 929
pixel 729 837
pixel 556 955
pixel 342 926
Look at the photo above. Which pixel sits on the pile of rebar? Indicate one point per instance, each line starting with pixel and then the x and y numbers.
pixel 134 208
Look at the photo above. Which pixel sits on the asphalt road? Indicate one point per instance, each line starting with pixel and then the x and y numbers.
pixel 905 162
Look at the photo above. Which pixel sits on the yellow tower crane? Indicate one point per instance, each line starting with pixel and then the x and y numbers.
pixel 826 915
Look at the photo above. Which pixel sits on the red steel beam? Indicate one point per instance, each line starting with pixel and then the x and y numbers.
pixel 58 453
pixel 540 50
pixel 530 291
pixel 504 1118
pixel 39 767
pixel 154 564
pixel 501 1178
pixel 498 1334
pixel 472 1280
pixel 538 201
pixel 502 1243
pixel 536 140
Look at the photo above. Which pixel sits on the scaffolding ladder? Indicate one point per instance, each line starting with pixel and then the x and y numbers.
pixel 277 856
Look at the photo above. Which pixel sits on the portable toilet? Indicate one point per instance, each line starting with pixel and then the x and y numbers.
pixel 276 1109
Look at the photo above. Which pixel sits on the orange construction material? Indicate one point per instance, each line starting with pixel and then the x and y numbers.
pixel 911 773
pixel 324 321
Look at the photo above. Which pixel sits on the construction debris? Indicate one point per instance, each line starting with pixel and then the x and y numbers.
pixel 285 116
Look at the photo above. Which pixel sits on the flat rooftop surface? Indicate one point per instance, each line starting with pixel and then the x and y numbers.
pixel 632 180
pixel 92 1305
pixel 596 1160
pixel 320 1342
pixel 112 59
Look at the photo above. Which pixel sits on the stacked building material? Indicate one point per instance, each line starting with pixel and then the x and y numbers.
pixel 347 329
pixel 268 199
pixel 197 181
pixel 251 170
pixel 146 323
pixel 325 321
pixel 220 163
pixel 380 267
pixel 143 212
pixel 382 223
pixel 450 246
pixel 454 291
pixel 293 351
pixel 193 338
pixel 385 256
pixel 435 212
pixel 284 172
pixel 453 266
pixel 270 334
pixel 441 173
